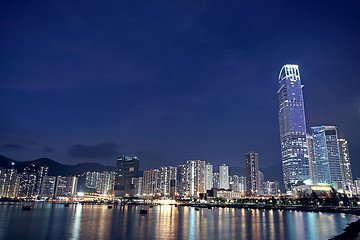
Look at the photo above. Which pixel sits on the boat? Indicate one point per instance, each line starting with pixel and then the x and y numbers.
pixel 197 209
pixel 109 207
pixel 26 208
pixel 143 211
pixel 66 205
pixel 151 206
pixel 209 207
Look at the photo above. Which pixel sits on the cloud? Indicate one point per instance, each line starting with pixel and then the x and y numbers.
pixel 49 149
pixel 13 146
pixel 149 159
pixel 101 150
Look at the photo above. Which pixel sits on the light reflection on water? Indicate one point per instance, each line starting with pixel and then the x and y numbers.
pixel 54 221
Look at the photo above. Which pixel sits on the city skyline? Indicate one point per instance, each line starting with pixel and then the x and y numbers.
pixel 196 86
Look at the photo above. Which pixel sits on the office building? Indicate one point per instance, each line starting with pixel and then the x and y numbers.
pixel 320 154
pixel 126 169
pixel 294 150
pixel 334 157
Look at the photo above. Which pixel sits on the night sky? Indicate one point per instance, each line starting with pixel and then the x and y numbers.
pixel 84 81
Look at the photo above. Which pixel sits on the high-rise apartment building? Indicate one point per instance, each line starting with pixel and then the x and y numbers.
pixel 216 180
pixel 27 183
pixel 151 182
pixel 195 177
pixel 235 183
pixel 261 183
pixel 9 183
pixel 42 172
pixel 48 187
pixel 252 173
pixel 208 176
pixel 92 180
pixel 294 150
pixel 345 162
pixel 224 176
pixel 166 175
pixel 66 187
pixel 242 182
pixel 126 169
pixel 191 178
pixel 181 180
pixel 106 183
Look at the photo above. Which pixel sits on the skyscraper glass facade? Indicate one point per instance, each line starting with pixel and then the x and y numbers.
pixel 294 150
pixel 320 153
pixel 332 144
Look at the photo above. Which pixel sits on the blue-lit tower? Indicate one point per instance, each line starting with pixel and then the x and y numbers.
pixel 320 153
pixel 294 149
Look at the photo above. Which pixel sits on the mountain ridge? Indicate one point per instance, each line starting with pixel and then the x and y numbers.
pixel 55 168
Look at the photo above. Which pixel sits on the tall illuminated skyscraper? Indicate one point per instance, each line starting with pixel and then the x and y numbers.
pixel 294 150
pixel 327 157
pixel 252 173
pixel 319 153
pixel 345 162
pixel 334 157
pixel 126 168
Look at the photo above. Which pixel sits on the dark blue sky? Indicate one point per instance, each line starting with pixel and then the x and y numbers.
pixel 171 81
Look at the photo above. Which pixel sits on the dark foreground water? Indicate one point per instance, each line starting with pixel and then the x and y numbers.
pixel 54 221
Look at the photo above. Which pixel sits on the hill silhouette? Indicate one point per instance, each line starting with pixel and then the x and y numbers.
pixel 55 168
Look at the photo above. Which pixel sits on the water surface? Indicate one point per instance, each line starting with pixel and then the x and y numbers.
pixel 54 221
